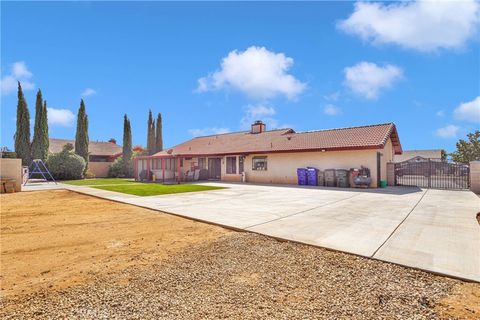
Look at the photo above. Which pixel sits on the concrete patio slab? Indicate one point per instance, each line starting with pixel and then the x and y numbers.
pixel 357 225
pixel 441 235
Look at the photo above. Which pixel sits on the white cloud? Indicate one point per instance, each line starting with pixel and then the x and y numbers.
pixel 259 112
pixel 19 72
pixel 61 117
pixel 368 79
pixel 468 111
pixel 424 25
pixel 333 96
pixel 440 113
pixel 256 72
pixel 207 131
pixel 449 131
pixel 88 92
pixel 331 110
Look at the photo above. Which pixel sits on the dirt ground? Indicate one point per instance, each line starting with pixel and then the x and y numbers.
pixel 66 255
pixel 55 239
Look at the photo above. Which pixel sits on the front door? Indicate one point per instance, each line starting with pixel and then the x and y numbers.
pixel 214 168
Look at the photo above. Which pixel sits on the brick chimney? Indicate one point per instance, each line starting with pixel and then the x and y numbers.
pixel 258 127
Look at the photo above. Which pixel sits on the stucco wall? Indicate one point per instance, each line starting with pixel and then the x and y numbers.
pixel 282 167
pixel 475 176
pixel 12 169
pixel 387 156
pixel 99 169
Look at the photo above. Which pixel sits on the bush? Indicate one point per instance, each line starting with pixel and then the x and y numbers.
pixel 117 169
pixel 89 174
pixel 8 155
pixel 66 165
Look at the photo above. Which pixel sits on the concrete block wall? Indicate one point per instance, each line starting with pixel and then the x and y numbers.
pixel 390 174
pixel 475 176
pixel 12 169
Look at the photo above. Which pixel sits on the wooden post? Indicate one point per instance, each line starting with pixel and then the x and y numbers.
pixel 135 168
pixel 148 169
pixel 178 169
pixel 163 169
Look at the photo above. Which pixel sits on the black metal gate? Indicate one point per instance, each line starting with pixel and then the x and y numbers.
pixel 432 173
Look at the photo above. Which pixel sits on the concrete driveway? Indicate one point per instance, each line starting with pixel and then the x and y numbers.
pixel 434 230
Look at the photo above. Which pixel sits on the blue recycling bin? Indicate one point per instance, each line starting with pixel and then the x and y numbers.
pixel 312 176
pixel 302 176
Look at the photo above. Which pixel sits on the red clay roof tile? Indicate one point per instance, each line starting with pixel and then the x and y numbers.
pixel 284 140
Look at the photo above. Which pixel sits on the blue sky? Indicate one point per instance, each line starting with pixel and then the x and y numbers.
pixel 215 67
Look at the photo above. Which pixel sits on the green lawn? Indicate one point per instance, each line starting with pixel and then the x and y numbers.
pixel 96 182
pixel 142 189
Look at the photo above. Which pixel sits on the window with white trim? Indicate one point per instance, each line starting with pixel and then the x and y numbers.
pixel 259 163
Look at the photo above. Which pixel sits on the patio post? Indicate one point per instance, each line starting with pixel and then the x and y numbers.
pixel 148 169
pixel 163 169
pixel 178 169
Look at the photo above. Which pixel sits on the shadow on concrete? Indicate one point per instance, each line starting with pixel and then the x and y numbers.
pixel 397 190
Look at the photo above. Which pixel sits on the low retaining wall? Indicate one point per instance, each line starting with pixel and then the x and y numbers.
pixel 12 169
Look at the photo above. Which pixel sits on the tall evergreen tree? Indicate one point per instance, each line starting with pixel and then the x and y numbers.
pixel 81 136
pixel 127 145
pixel 40 133
pixel 158 135
pixel 46 141
pixel 22 133
pixel 151 134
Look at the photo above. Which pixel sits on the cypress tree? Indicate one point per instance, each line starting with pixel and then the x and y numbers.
pixel 22 133
pixel 81 136
pixel 127 145
pixel 151 134
pixel 38 142
pixel 45 140
pixel 158 135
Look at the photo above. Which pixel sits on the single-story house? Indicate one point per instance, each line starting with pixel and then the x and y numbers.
pixel 435 154
pixel 101 154
pixel 273 156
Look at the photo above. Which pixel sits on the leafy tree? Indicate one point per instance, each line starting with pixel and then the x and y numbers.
pixel 127 145
pixel 81 136
pixel 158 135
pixel 444 155
pixel 468 150
pixel 66 165
pixel 151 134
pixel 22 133
pixel 40 134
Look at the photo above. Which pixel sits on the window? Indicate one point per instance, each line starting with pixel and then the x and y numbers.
pixel 241 159
pixel 231 165
pixel 202 163
pixel 259 163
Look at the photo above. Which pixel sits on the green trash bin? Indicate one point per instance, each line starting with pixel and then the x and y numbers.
pixel 383 183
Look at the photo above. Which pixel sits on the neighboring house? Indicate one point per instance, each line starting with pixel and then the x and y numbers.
pixel 101 154
pixel 274 156
pixel 426 154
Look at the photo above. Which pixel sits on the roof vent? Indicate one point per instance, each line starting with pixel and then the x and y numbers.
pixel 258 127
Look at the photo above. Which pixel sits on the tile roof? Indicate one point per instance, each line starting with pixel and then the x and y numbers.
pixel 427 154
pixel 96 148
pixel 284 140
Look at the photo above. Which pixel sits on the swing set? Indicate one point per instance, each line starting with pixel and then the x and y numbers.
pixel 38 167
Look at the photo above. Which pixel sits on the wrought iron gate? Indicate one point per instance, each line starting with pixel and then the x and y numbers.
pixel 432 173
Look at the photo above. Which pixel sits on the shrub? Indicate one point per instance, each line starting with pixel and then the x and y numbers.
pixel 66 165
pixel 117 169
pixel 89 174
pixel 8 155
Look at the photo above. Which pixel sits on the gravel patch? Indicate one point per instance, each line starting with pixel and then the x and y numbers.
pixel 246 276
